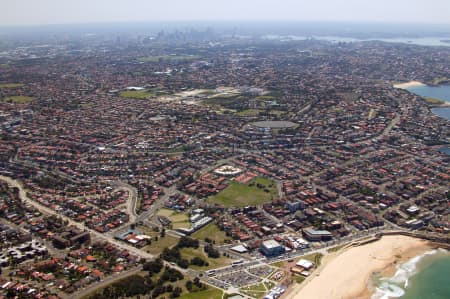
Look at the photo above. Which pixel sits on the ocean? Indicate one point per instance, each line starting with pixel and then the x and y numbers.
pixel 423 277
pixel 423 41
pixel 441 92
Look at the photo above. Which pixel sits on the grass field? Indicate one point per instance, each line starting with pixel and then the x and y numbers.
pixel 279 264
pixel 165 212
pixel 257 290
pixel 299 278
pixel 157 246
pixel 10 85
pixel 250 112
pixel 158 58
pixel 136 94
pixel 240 195
pixel 212 232
pixel 190 253
pixel 18 99
pixel 210 293
pixel 266 97
pixel 433 101
pixel 208 92
pixel 179 220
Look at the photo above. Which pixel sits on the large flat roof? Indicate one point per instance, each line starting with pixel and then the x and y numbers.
pixel 271 244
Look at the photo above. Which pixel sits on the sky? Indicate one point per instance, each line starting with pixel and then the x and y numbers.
pixel 40 12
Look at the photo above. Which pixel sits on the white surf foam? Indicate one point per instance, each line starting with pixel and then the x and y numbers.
pixel 393 287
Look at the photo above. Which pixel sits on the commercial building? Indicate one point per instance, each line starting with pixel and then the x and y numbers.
pixel 316 235
pixel 272 248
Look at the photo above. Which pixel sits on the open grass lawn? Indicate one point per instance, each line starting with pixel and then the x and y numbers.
pixel 210 293
pixel 212 232
pixel 158 58
pixel 190 253
pixel 136 94
pixel 18 99
pixel 299 278
pixel 258 191
pixel 157 246
pixel 179 220
pixel 208 92
pixel 267 183
pixel 257 290
pixel 433 101
pixel 165 212
pixel 279 112
pixel 10 85
pixel 280 264
pixel 249 112
pixel 266 97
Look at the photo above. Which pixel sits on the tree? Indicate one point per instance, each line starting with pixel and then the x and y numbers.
pixel 189 285
pixel 211 251
pixel 183 263
pixel 188 242
pixel 197 282
pixel 197 261
pixel 176 292
pixel 153 267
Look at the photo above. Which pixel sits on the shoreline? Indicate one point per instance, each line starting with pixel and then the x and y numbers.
pixel 348 274
pixel 409 84
pixel 431 102
pixel 442 105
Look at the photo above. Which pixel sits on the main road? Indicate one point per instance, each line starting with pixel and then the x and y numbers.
pixel 45 210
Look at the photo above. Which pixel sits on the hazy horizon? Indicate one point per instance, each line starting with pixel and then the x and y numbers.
pixel 59 12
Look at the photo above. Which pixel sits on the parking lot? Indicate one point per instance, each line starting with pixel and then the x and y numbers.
pixel 239 278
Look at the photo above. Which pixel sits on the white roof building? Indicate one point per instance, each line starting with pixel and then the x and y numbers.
pixel 305 264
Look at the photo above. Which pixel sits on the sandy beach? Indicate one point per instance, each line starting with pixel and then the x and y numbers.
pixel 346 275
pixel 409 84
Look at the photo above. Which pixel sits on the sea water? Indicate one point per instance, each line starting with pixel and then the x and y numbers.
pixel 423 277
pixel 441 92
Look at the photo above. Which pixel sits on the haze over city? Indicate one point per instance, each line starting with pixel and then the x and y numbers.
pixel 29 12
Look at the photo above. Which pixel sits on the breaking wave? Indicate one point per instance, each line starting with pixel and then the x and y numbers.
pixel 394 287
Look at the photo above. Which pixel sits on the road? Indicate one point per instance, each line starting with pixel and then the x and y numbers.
pixel 388 128
pixel 103 283
pixel 132 199
pixel 45 210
